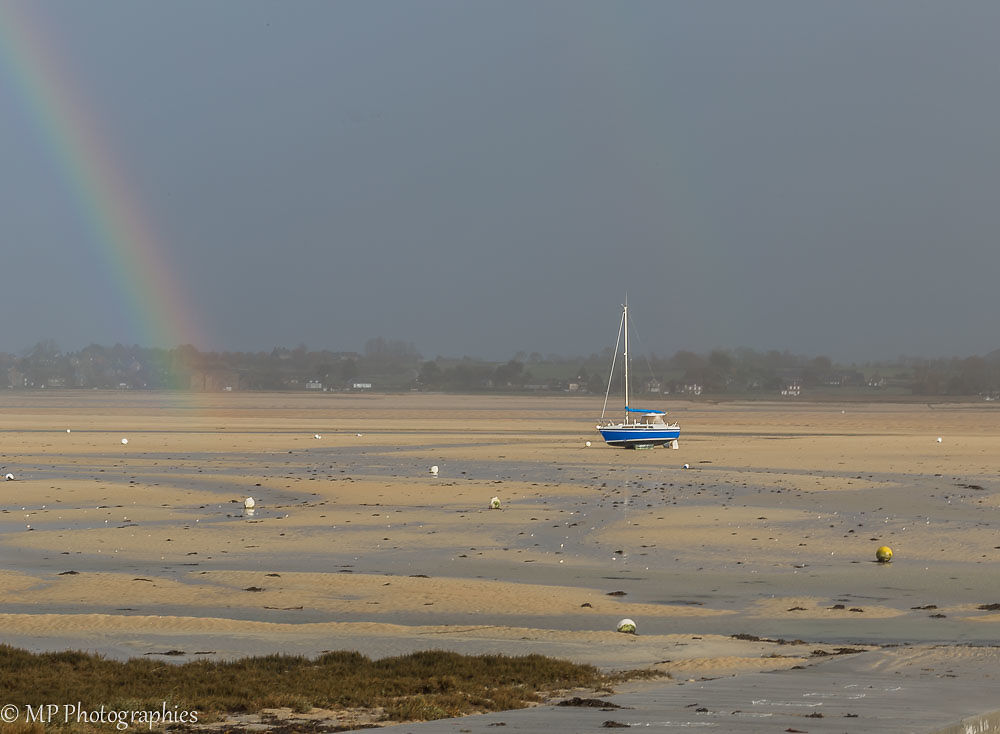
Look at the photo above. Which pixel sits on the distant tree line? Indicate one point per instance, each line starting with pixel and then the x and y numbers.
pixel 388 365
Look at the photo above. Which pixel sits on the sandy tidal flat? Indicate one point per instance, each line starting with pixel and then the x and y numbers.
pixel 141 547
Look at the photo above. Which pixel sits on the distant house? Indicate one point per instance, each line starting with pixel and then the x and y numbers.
pixel 654 386
pixel 691 388
pixel 314 385
pixel 359 384
pixel 792 389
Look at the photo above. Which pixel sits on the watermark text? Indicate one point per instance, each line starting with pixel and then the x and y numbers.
pixel 70 713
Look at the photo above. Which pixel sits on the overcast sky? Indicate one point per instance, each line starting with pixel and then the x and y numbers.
pixel 480 178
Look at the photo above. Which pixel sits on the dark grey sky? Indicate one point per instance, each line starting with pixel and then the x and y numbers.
pixel 486 177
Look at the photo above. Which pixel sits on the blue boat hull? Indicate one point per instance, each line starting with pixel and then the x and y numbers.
pixel 639 436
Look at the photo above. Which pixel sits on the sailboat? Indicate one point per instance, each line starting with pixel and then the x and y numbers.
pixel 640 428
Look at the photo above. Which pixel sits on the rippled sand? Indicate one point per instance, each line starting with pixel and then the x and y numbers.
pixel 771 531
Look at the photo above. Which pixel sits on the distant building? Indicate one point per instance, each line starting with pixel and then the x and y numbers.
pixel 691 388
pixel 792 389
pixel 359 384
pixel 314 385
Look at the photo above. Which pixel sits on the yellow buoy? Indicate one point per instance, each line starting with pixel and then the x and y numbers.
pixel 884 554
pixel 627 626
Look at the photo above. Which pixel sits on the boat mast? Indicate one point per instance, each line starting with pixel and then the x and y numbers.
pixel 625 329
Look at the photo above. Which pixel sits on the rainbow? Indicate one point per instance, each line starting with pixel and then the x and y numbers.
pixel 154 304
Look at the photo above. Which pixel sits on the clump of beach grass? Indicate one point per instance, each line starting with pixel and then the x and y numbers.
pixel 417 686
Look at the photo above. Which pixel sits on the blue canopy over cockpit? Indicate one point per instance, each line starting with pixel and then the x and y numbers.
pixel 644 410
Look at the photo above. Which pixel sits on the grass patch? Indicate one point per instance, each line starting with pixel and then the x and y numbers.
pixel 419 686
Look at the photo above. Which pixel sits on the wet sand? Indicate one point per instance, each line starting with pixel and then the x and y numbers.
pixel 145 547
